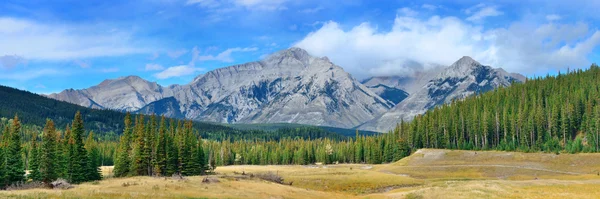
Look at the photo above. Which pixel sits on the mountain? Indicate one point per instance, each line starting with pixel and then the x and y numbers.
pixel 391 94
pixel 33 110
pixel 289 86
pixel 464 78
pixel 123 94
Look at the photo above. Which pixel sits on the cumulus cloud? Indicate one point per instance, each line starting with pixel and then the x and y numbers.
pixel 414 44
pixel 10 61
pixel 32 40
pixel 153 67
pixel 483 12
pixel 225 56
pixel 177 71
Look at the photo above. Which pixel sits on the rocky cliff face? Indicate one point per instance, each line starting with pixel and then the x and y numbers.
pixel 123 94
pixel 292 86
pixel 464 78
pixel 289 86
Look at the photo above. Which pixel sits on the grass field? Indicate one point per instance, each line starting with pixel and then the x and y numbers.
pixel 428 173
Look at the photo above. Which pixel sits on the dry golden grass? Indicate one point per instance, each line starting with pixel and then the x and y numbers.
pixel 458 164
pixel 349 178
pixel 426 174
pixel 192 187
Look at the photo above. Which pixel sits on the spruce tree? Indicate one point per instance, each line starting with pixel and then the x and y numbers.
pixel 49 153
pixel 161 150
pixel 139 162
pixel 34 160
pixel 78 157
pixel 94 163
pixel 14 160
pixel 172 156
pixel 123 161
pixel 3 169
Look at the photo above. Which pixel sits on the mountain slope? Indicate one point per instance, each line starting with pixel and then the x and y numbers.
pixel 33 109
pixel 123 94
pixel 464 78
pixel 289 86
pixel 391 94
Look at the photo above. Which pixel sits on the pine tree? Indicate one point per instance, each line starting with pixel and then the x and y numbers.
pixel 34 160
pixel 78 157
pixel 93 153
pixel 49 157
pixel 122 163
pixel 14 159
pixel 161 150
pixel 140 157
pixel 3 169
pixel 65 151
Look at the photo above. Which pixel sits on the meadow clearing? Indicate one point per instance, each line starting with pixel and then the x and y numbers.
pixel 428 173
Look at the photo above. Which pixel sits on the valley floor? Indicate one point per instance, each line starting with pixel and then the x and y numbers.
pixel 428 173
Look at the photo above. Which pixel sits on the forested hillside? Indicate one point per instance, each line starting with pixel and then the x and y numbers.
pixel 549 113
pixel 33 110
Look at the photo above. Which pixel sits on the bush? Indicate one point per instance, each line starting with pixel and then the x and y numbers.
pixel 61 184
pixel 271 177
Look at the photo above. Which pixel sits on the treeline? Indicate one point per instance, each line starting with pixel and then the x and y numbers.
pixel 305 132
pixel 149 147
pixel 364 149
pixel 553 113
pixel 49 157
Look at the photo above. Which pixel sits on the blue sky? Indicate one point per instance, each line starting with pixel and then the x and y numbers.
pixel 49 46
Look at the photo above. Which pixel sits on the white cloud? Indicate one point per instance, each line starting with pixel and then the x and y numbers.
pixel 154 56
pixel 195 56
pixel 414 44
pixel 29 74
pixel 153 67
pixel 483 12
pixel 83 64
pixel 109 70
pixel 407 12
pixel 553 17
pixel 312 10
pixel 204 3
pixel 267 5
pixel 429 7
pixel 33 40
pixel 227 6
pixel 177 71
pixel 177 53
pixel 225 56
pixel 10 61
pixel 475 7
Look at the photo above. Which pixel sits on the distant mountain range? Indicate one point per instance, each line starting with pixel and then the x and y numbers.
pixel 464 78
pixel 291 86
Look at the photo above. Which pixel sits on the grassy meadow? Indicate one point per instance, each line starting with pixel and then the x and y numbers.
pixel 428 173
